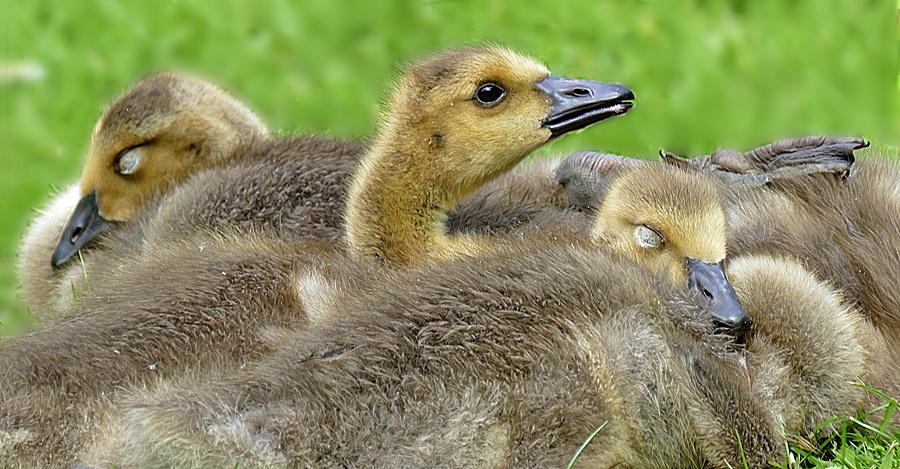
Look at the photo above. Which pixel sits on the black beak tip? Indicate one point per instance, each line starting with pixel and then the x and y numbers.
pixel 618 93
pixel 738 327
pixel 577 103
pixel 59 257
pixel 84 224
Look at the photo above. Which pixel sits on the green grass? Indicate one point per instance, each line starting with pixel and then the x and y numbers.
pixel 868 440
pixel 707 73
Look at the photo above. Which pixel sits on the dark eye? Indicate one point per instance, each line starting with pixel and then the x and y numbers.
pixel 489 94
pixel 128 161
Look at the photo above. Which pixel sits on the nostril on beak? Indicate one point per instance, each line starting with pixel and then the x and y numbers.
pixel 76 233
pixel 579 92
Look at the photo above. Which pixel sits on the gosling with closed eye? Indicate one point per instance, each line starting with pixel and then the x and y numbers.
pixel 804 209
pixel 153 137
pixel 783 201
pixel 514 356
pixel 201 166
pixel 199 305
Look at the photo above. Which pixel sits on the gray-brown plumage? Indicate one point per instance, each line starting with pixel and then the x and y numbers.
pixel 846 232
pixel 294 188
pixel 195 305
pixel 526 198
pixel 809 345
pixel 496 361
pixel 511 358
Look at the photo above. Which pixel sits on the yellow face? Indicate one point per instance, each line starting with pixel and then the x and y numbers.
pixel 130 170
pixel 456 121
pixel 661 216
pixel 155 136
pixel 477 112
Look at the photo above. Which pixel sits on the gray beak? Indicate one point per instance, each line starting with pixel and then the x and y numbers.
pixel 84 224
pixel 713 291
pixel 576 104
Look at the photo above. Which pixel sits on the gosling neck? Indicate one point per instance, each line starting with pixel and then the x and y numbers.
pixel 398 202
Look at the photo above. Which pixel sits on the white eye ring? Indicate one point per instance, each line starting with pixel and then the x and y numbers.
pixel 128 161
pixel 648 237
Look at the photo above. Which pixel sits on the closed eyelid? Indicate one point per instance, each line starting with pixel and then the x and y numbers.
pixel 655 231
pixel 133 161
pixel 652 239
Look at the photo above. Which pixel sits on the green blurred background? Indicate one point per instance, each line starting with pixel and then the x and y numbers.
pixel 706 73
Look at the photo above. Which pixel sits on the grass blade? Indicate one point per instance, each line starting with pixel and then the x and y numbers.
pixel 584 445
